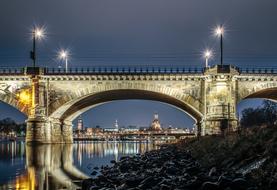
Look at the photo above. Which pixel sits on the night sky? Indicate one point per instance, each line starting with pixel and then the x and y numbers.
pixel 138 33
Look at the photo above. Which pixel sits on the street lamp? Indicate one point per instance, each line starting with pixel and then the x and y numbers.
pixel 63 55
pixel 219 32
pixel 38 33
pixel 207 55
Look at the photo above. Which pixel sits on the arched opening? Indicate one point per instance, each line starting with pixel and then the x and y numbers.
pixel 137 113
pixel 88 102
pixel 258 108
pixel 269 93
pixel 12 121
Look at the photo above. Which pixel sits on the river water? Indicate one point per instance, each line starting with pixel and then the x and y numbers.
pixel 50 167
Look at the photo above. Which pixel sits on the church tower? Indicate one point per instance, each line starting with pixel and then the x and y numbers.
pixel 155 126
pixel 80 125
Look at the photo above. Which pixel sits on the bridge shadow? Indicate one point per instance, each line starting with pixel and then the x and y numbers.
pixel 52 167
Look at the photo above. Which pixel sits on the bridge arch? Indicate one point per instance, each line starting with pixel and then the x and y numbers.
pixel 257 88
pixel 13 101
pixel 267 93
pixel 71 110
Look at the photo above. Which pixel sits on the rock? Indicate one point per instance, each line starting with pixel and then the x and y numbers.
pixel 239 184
pixel 194 183
pixel 148 182
pixel 94 187
pixel 88 183
pixel 179 170
pixel 224 182
pixel 94 173
pixel 209 186
pixel 212 171
pixel 164 187
pixel 124 168
pixel 133 181
pixel 172 170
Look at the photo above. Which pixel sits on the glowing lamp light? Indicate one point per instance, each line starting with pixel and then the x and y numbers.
pixel 39 33
pixel 25 97
pixel 63 54
pixel 219 31
pixel 207 55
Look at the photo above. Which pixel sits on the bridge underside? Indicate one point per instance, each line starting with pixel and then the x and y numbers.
pixel 270 93
pixel 58 127
pixel 113 95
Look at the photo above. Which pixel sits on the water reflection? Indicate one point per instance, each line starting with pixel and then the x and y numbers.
pixel 50 167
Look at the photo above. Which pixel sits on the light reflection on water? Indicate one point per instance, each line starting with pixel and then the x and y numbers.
pixel 58 166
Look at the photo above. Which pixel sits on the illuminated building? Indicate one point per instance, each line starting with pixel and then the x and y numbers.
pixel 80 124
pixel 115 128
pixel 130 129
pixel 155 126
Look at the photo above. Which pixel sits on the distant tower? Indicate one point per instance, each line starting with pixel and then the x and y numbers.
pixel 116 124
pixel 80 124
pixel 155 126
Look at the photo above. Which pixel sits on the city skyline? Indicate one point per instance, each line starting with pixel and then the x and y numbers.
pixel 179 118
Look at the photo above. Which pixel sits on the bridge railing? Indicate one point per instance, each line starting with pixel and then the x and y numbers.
pixel 130 70
pixel 258 70
pixel 11 71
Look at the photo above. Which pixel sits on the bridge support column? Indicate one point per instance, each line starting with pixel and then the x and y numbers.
pixel 38 131
pixel 43 131
pixel 67 133
pixel 220 100
pixel 40 127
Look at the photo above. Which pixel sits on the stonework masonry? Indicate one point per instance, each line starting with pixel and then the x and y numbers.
pixel 52 101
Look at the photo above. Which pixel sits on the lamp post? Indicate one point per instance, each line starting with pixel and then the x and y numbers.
pixel 37 34
pixel 207 55
pixel 219 32
pixel 63 55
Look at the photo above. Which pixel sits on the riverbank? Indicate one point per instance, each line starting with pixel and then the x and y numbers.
pixel 252 152
pixel 238 161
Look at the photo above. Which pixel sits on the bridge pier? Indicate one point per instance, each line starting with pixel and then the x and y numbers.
pixel 220 100
pixel 44 131
pixel 67 132
pixel 38 131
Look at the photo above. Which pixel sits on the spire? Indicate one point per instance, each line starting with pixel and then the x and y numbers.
pixel 116 124
pixel 80 123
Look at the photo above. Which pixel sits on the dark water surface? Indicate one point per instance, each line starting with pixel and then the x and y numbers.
pixel 50 167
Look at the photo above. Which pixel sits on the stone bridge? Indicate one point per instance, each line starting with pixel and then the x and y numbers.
pixel 53 98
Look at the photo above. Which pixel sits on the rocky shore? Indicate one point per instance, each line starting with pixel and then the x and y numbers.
pixel 170 167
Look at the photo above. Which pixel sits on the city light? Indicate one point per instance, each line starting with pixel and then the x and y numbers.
pixel 63 55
